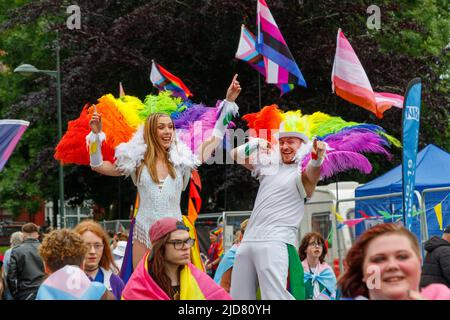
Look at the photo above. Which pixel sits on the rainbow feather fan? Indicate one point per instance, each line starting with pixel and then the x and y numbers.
pixel 347 141
pixel 121 118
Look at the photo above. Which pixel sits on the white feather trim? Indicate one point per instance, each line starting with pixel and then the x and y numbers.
pixel 92 137
pixel 229 107
pixel 181 155
pixel 129 155
pixel 303 151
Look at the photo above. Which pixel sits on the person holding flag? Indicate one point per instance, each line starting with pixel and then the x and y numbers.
pixel 159 164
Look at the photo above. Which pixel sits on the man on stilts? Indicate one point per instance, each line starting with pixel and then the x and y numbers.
pixel 268 251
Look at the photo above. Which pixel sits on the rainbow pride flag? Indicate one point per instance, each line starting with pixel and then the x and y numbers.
pixel 194 285
pixel 10 133
pixel 164 80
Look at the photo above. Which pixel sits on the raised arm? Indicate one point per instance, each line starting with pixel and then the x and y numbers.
pixel 228 110
pixel 95 140
pixel 242 153
pixel 312 173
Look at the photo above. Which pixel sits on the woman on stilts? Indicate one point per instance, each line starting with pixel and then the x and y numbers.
pixel 159 165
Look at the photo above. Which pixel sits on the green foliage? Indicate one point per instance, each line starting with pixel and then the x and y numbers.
pixel 197 40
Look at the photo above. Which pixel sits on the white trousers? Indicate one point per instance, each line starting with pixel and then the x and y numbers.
pixel 264 265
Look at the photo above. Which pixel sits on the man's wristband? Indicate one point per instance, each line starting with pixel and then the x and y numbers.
pixel 316 163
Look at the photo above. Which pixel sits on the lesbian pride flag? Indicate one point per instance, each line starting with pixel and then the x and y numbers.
pixel 10 133
pixel 350 81
pixel 164 80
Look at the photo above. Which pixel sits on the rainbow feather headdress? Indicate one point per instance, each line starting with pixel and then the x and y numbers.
pixel 123 120
pixel 347 141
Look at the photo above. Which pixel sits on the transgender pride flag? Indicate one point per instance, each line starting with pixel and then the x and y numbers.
pixel 350 81
pixel 10 133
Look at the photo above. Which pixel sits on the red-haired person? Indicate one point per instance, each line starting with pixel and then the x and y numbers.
pixel 63 252
pixel 99 263
pixel 320 281
pixel 385 264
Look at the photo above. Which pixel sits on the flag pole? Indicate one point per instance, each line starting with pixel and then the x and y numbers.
pixel 259 89
pixel 258 41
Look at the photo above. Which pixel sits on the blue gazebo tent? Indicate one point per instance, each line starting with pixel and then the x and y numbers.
pixel 432 171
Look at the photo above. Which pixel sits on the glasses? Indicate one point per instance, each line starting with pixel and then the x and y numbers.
pixel 97 246
pixel 180 244
pixel 315 244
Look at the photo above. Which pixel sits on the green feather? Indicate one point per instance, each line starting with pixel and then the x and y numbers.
pixel 162 103
pixel 331 125
pixel 391 139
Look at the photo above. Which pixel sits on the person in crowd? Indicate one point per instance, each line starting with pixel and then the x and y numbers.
pixel 63 252
pixel 225 268
pixel 167 273
pixel 119 253
pixel 385 264
pixel 159 165
pixel 320 281
pixel 436 267
pixel 15 240
pixel 2 286
pixel 26 269
pixel 99 265
pixel 214 254
pixel 112 239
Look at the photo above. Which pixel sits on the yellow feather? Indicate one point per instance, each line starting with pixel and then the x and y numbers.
pixel 129 107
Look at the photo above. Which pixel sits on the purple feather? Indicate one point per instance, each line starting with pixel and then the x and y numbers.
pixel 190 115
pixel 357 140
pixel 347 148
pixel 339 161
pixel 196 126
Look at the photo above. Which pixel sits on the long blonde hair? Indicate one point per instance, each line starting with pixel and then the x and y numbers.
pixel 154 148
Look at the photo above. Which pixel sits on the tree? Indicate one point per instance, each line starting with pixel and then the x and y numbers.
pixel 197 41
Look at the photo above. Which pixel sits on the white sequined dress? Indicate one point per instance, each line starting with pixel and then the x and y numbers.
pixel 158 201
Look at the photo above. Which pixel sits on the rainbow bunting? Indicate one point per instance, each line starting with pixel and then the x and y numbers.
pixel 164 80
pixel 353 222
pixel 438 211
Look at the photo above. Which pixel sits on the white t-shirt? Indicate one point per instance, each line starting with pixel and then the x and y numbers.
pixel 279 206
